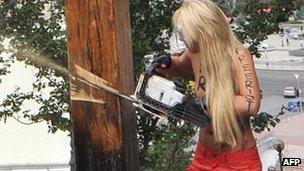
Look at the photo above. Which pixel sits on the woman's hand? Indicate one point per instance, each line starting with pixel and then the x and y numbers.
pixel 164 63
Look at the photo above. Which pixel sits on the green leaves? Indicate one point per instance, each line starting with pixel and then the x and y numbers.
pixel 149 20
pixel 37 28
pixel 257 20
pixel 13 103
pixel 264 120
pixel 169 149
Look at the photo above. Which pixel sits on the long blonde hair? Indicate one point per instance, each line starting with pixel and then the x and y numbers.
pixel 204 23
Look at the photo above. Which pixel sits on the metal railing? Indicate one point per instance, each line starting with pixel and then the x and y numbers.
pixel 279 65
pixel 265 140
pixel 41 167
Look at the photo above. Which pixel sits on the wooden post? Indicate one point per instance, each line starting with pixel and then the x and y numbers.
pixel 99 41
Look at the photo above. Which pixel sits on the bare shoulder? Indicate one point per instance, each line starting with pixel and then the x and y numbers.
pixel 243 52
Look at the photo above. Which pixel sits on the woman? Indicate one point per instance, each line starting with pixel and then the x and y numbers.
pixel 225 80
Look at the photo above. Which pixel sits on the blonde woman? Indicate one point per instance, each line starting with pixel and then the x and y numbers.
pixel 226 82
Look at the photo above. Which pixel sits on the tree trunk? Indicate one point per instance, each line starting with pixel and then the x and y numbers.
pixel 99 41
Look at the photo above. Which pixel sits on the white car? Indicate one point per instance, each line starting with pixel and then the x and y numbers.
pixel 291 92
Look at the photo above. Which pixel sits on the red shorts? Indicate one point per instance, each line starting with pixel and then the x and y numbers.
pixel 204 160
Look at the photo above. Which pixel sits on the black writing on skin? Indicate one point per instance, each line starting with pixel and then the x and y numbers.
pixel 242 58
pixel 246 67
pixel 248 81
pixel 248 84
pixel 201 81
pixel 249 99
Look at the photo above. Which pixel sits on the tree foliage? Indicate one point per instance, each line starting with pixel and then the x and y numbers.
pixel 37 28
pixel 258 20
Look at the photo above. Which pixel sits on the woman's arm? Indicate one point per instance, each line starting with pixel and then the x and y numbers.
pixel 181 66
pixel 248 98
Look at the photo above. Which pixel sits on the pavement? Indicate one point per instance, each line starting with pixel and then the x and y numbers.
pixel 277 57
pixel 289 131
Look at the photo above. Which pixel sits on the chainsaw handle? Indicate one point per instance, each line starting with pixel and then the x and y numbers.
pixel 151 69
pixel 162 62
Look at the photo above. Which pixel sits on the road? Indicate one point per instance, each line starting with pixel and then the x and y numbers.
pixel 272 84
pixel 290 131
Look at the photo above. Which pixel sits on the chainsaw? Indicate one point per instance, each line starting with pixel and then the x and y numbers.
pixel 157 95
pixel 153 94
